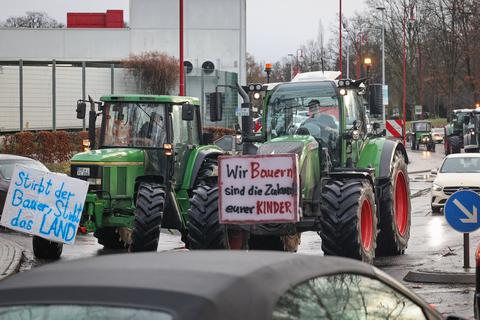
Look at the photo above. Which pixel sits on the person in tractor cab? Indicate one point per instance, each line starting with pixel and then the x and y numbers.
pixel 322 119
pixel 153 130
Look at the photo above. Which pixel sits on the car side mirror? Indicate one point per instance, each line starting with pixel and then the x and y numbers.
pixel 216 106
pixel 207 138
pixel 188 111
pixel 81 109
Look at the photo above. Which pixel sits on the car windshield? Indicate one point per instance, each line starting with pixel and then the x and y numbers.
pixel 422 126
pixel 135 125
pixel 461 165
pixel 7 167
pixel 314 106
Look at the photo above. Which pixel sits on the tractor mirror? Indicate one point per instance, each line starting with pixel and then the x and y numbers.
pixel 188 111
pixel 81 110
pixel 376 126
pixel 375 99
pixel 207 138
pixel 466 120
pixel 216 107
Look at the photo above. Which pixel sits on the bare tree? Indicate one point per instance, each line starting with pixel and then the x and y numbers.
pixel 32 19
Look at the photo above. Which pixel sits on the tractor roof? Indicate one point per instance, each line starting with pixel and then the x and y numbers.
pixel 462 111
pixel 150 98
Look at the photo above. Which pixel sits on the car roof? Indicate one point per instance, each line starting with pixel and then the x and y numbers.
pixel 463 155
pixel 190 285
pixel 14 157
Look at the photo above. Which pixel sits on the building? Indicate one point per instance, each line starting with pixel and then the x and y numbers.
pixel 215 37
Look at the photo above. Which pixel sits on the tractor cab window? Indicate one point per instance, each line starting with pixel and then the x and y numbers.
pixel 353 108
pixel 184 132
pixel 307 108
pixel 135 125
pixel 422 126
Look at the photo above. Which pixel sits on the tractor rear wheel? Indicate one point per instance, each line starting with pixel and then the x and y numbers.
pixel 148 217
pixel 109 238
pixel 204 228
pixel 455 144
pixel 395 209
pixel 45 249
pixel 349 220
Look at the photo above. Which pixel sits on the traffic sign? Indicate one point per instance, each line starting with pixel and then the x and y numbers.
pixel 418 110
pixel 394 128
pixel 461 211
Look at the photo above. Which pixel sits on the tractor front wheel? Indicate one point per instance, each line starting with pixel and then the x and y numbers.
pixel 395 218
pixel 349 223
pixel 109 238
pixel 45 249
pixel 148 217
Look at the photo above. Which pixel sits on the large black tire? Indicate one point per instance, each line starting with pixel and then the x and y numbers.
pixel 148 217
pixel 394 233
pixel 455 144
pixel 45 249
pixel 204 229
pixel 341 224
pixel 109 238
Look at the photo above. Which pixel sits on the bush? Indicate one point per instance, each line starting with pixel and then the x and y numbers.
pixel 219 132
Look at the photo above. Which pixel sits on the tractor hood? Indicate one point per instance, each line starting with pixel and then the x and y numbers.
pixel 111 156
pixel 287 144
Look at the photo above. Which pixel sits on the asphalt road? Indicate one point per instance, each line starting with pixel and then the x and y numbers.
pixel 432 244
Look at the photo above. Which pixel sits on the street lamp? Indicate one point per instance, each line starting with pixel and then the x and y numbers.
pixel 382 9
pixel 368 63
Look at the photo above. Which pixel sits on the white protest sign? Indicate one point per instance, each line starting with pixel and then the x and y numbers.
pixel 45 204
pixel 258 189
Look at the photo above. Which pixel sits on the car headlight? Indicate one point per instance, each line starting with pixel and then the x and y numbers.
pixel 436 187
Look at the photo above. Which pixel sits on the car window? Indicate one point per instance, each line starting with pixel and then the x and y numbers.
pixel 75 312
pixel 345 296
pixel 461 165
pixel 7 167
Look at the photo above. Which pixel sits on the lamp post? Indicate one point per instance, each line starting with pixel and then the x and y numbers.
pixel 182 67
pixel 348 49
pixel 382 9
pixel 340 38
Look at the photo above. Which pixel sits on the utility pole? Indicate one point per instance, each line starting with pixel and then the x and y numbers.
pixel 383 57
pixel 182 67
pixel 340 38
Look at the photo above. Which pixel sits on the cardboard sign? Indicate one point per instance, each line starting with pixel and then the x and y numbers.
pixel 258 189
pixel 45 204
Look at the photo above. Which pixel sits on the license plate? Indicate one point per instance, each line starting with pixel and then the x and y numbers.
pixel 83 172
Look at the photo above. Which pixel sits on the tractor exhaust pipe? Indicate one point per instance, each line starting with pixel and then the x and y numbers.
pixel 247 122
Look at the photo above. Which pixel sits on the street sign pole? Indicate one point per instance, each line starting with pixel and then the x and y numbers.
pixel 466 250
pixel 461 213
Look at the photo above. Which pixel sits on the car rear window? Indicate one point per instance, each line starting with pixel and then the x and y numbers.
pixel 79 312
pixel 461 165
pixel 7 166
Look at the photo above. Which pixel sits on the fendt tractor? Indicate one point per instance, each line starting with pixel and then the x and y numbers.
pixel 151 155
pixel 455 130
pixel 354 183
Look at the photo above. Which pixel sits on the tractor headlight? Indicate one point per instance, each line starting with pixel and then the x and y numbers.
pixel 85 145
pixel 436 187
pixel 94 181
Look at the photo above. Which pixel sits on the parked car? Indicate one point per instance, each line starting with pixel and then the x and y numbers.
pixel 458 171
pixel 7 164
pixel 209 285
pixel 438 135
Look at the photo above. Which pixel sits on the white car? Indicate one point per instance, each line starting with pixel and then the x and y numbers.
pixel 458 171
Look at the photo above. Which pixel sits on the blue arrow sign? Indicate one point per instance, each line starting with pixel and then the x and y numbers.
pixel 461 211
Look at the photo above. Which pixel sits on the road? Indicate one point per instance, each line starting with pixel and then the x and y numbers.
pixel 432 243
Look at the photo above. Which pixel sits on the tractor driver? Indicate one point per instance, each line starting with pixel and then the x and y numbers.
pixel 319 124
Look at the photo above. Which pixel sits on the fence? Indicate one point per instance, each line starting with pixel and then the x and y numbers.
pixel 41 95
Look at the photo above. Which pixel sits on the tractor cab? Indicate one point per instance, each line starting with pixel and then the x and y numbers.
pixel 471 138
pixel 422 135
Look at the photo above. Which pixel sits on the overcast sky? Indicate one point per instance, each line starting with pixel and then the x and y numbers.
pixel 283 24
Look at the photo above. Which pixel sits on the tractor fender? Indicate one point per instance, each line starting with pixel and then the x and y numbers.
pixel 378 154
pixel 390 147
pixel 195 163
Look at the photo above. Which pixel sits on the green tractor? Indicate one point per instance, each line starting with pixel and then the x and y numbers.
pixel 455 130
pixel 354 183
pixel 471 138
pixel 151 155
pixel 421 134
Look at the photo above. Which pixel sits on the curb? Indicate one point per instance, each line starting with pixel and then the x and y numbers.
pixel 433 276
pixel 11 256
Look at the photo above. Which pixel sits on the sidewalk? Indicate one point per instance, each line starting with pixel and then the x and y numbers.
pixel 10 257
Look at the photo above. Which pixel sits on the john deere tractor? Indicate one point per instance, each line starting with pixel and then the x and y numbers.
pixel 354 183
pixel 151 155
pixel 421 134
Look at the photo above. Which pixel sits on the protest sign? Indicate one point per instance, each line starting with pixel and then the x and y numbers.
pixel 258 189
pixel 45 204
